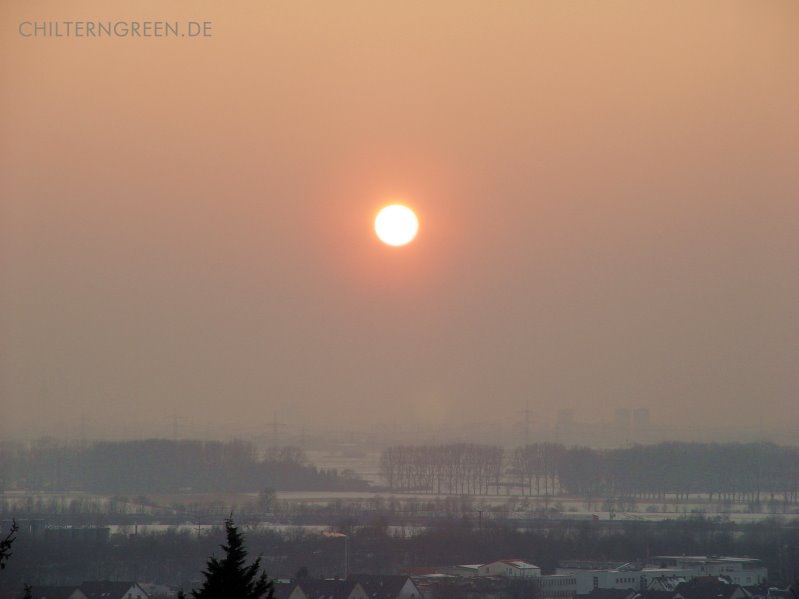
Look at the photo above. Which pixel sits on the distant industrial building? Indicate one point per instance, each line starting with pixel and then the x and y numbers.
pixel 512 568
pixel 738 570
pixel 663 574
pixel 626 577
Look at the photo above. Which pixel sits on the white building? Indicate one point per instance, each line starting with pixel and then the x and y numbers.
pixel 558 585
pixel 512 568
pixel 664 571
pixel 744 571
pixel 662 574
pixel 626 577
pixel 465 570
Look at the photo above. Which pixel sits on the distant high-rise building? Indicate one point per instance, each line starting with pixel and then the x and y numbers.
pixel 641 417
pixel 564 426
pixel 622 418
pixel 565 419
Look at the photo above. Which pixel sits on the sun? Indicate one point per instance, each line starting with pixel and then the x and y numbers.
pixel 396 225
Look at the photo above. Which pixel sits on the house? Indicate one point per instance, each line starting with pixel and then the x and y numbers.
pixel 331 589
pixel 476 587
pixel 56 592
pixel 157 591
pixel 388 586
pixel 657 595
pixel 111 589
pixel 510 568
pixel 429 583
pixel 710 587
pixel 665 583
pixel 288 590
pixel 609 594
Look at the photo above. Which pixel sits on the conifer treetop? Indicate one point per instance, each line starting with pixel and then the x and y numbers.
pixel 230 577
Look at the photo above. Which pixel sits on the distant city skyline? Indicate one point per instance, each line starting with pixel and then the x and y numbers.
pixel 567 428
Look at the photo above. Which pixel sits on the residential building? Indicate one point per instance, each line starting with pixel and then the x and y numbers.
pixel 288 590
pixel 387 587
pixel 56 592
pixel 710 587
pixel 331 589
pixel 111 589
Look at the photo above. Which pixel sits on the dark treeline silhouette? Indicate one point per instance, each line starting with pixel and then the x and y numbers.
pixel 161 466
pixel 176 557
pixel 734 472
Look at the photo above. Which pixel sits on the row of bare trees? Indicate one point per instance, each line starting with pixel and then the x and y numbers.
pixel 731 472
pixel 458 468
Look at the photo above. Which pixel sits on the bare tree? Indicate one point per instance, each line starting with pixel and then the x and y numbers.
pixel 6 543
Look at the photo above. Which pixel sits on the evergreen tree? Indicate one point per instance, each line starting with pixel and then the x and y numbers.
pixel 229 577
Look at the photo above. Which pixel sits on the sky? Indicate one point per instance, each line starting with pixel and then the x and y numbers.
pixel 608 196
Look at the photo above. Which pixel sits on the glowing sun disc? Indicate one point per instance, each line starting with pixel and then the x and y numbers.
pixel 396 225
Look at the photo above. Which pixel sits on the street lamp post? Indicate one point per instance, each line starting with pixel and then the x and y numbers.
pixel 346 550
pixel 346 557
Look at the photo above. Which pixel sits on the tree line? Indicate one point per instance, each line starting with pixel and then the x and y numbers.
pixel 729 472
pixel 173 557
pixel 461 468
pixel 161 466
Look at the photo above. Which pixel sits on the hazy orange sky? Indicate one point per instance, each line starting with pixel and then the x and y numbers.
pixel 608 195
